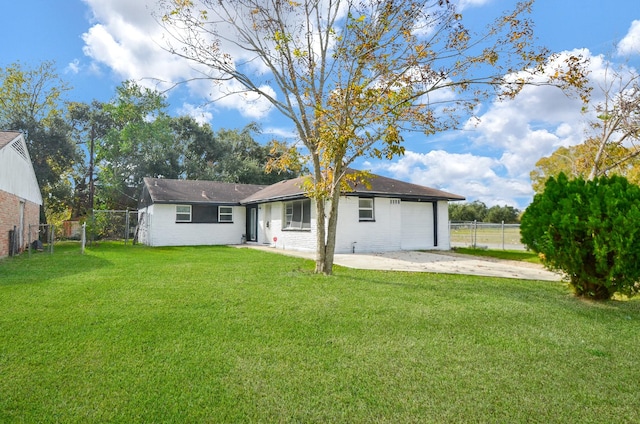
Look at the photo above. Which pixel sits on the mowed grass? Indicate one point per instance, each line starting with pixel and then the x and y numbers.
pixel 218 334
pixel 511 255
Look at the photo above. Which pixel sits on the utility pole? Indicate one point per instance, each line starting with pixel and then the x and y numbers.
pixel 91 165
pixel 91 181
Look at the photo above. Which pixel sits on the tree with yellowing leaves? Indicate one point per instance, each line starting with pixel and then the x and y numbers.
pixel 612 141
pixel 354 75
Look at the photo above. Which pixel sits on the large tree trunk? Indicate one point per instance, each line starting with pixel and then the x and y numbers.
pixel 330 246
pixel 321 253
pixel 320 221
pixel 327 231
pixel 326 240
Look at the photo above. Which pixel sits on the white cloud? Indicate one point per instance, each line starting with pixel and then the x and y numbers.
pixel 534 124
pixel 281 133
pixel 249 104
pixel 73 67
pixel 473 176
pixel 463 4
pixel 531 126
pixel 630 44
pixel 126 38
pixel 495 154
pixel 132 53
pixel 200 114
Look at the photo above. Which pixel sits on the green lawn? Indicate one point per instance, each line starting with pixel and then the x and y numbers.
pixel 128 334
pixel 512 255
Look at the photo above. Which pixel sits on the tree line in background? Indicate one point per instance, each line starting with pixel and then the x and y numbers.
pixel 478 211
pixel 96 155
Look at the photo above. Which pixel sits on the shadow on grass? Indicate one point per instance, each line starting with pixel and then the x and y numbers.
pixel 66 260
pixel 403 279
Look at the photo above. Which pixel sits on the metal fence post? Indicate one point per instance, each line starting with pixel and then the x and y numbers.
pixel 83 237
pixel 126 227
pixel 475 234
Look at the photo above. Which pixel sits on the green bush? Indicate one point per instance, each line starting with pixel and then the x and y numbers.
pixel 589 230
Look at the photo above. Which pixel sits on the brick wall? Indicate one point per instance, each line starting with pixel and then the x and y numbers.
pixel 10 217
pixel 32 217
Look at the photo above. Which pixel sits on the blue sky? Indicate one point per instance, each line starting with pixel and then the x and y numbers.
pixel 96 44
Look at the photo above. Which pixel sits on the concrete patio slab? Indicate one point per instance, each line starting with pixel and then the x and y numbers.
pixel 436 262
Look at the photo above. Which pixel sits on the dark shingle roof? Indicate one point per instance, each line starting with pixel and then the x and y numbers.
pixel 388 187
pixel 288 189
pixel 187 191
pixel 378 186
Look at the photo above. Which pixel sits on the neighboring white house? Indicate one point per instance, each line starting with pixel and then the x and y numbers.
pixel 20 197
pixel 387 215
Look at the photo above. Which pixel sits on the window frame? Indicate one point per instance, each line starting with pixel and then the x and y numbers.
pixel 370 209
pixel 289 213
pixel 184 213
pixel 228 214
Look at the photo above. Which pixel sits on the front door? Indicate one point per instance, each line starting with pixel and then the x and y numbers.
pixel 252 223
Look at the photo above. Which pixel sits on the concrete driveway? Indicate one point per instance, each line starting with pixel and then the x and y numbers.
pixel 436 262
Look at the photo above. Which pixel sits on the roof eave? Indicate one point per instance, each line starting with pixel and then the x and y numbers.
pixel 197 202
pixel 404 196
pixel 274 199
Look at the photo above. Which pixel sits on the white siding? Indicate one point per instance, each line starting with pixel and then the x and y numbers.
pixel 381 234
pixel 397 226
pixel 162 229
pixel 16 172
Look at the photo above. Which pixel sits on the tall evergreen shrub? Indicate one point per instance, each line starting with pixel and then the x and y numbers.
pixel 590 230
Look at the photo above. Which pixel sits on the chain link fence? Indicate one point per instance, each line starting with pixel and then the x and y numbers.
pixel 118 225
pixel 112 225
pixel 484 235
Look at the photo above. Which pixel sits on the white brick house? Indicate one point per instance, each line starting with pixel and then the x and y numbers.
pixel 389 215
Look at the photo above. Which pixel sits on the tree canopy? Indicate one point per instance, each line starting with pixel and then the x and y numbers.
pixel 96 155
pixel 230 155
pixel 143 140
pixel 352 76
pixel 32 101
